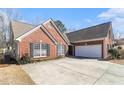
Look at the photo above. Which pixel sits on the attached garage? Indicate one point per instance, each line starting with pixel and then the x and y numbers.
pixel 93 51
pixel 91 42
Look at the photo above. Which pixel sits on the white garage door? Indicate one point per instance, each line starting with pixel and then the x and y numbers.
pixel 93 51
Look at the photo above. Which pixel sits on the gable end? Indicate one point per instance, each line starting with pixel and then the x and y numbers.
pixel 58 31
pixel 48 34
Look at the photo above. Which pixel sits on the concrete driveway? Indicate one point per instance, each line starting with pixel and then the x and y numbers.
pixel 75 71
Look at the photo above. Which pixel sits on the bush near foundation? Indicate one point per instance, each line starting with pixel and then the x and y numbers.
pixel 115 54
pixel 24 59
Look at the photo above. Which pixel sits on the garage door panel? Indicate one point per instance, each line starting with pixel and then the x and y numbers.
pixel 88 51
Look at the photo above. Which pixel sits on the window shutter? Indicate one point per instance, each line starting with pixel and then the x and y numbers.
pixel 65 49
pixel 42 45
pixel 31 49
pixel 48 50
pixel 57 49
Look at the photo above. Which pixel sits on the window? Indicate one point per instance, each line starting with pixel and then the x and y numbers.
pixel 36 49
pixel 40 50
pixel 61 49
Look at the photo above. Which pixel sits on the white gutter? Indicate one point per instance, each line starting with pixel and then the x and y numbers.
pixel 88 40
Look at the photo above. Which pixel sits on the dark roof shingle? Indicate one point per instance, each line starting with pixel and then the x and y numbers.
pixel 93 32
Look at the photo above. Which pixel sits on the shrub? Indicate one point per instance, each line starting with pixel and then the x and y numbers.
pixel 114 53
pixel 119 47
pixel 8 59
pixel 113 45
pixel 24 59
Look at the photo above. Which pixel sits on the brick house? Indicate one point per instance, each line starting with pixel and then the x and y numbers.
pixel 93 42
pixel 46 40
pixel 42 41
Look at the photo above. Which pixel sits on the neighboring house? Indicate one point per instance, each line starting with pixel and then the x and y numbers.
pixel 91 42
pixel 42 41
pixel 120 42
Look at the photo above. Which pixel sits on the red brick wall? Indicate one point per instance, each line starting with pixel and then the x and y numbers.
pixel 107 41
pixel 36 36
pixel 39 35
pixel 55 34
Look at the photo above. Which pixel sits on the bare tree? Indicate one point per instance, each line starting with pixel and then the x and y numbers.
pixel 118 35
pixel 3 29
pixel 12 13
pixel 6 15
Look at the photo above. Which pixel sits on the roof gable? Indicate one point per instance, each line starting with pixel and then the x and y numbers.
pixel 48 34
pixel 35 29
pixel 20 28
pixel 93 32
pixel 57 30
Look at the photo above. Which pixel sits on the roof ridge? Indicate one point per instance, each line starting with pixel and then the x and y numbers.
pixel 90 27
pixel 23 22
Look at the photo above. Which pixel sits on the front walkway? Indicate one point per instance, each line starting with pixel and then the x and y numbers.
pixel 75 71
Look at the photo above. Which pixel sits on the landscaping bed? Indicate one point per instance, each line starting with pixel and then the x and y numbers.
pixel 118 60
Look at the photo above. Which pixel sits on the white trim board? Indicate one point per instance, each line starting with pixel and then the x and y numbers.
pixel 27 33
pixel 88 40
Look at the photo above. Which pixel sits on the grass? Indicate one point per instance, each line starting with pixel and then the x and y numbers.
pixel 120 61
pixel 3 65
pixel 14 75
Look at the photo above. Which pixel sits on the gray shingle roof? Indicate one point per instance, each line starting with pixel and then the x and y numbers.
pixel 19 28
pixel 93 32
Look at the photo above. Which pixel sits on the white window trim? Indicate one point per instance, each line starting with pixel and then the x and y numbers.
pixel 34 56
pixel 38 56
pixel 62 50
pixel 62 53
